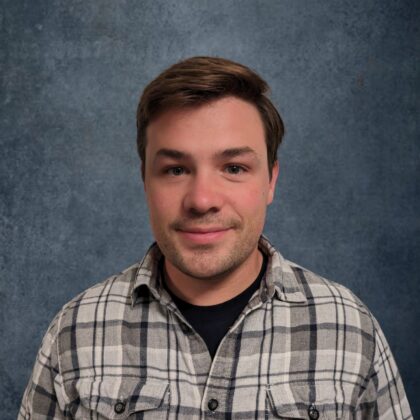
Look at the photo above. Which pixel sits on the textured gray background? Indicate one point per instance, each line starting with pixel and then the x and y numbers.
pixel 343 74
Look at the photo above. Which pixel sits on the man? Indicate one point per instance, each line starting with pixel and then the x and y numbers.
pixel 214 322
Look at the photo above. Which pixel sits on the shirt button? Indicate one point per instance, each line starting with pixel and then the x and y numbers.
pixel 119 407
pixel 313 412
pixel 212 404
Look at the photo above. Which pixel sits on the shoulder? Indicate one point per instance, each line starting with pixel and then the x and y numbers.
pixel 332 305
pixel 334 320
pixel 112 295
pixel 318 289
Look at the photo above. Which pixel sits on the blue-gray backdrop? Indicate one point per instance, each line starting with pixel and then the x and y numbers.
pixel 344 76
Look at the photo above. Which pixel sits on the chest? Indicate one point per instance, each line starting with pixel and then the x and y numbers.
pixel 274 362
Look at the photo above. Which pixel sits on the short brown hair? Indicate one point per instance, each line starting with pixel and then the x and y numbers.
pixel 199 80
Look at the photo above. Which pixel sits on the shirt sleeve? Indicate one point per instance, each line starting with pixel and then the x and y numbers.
pixel 43 394
pixel 384 397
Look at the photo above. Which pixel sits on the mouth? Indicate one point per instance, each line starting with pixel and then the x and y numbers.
pixel 203 235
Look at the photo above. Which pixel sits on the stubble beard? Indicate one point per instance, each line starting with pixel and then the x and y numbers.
pixel 211 262
pixel 204 265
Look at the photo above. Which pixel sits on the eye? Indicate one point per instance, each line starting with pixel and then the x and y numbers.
pixel 175 171
pixel 235 169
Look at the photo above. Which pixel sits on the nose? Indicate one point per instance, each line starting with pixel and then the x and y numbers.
pixel 203 195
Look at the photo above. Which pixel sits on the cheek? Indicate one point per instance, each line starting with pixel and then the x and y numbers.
pixel 252 201
pixel 159 203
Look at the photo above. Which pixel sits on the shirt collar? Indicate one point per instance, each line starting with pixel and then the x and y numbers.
pixel 280 280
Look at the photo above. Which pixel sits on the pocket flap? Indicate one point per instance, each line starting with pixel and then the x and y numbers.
pixel 118 398
pixel 283 402
pixel 294 401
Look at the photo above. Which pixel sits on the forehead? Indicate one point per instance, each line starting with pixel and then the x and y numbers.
pixel 223 123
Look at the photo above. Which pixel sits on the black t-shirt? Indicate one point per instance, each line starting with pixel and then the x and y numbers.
pixel 212 322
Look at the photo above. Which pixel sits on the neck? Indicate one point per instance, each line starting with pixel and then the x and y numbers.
pixel 206 292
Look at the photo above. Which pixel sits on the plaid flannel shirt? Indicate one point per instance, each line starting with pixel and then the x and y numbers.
pixel 303 347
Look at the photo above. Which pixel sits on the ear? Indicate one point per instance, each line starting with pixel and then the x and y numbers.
pixel 142 174
pixel 273 181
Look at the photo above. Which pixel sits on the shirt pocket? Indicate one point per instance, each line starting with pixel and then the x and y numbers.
pixel 118 399
pixel 293 401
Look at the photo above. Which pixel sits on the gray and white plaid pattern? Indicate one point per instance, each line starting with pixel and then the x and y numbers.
pixel 303 347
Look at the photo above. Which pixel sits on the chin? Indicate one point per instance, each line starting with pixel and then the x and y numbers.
pixel 204 268
pixel 205 275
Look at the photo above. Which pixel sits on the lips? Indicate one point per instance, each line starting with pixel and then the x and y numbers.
pixel 204 229
pixel 203 235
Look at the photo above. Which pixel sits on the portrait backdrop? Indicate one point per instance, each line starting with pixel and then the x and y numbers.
pixel 344 76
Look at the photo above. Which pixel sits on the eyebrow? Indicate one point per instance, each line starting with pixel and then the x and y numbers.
pixel 236 151
pixel 171 153
pixel 224 154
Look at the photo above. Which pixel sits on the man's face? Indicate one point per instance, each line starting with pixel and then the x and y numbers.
pixel 207 186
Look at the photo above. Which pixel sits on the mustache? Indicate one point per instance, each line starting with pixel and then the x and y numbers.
pixel 190 223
